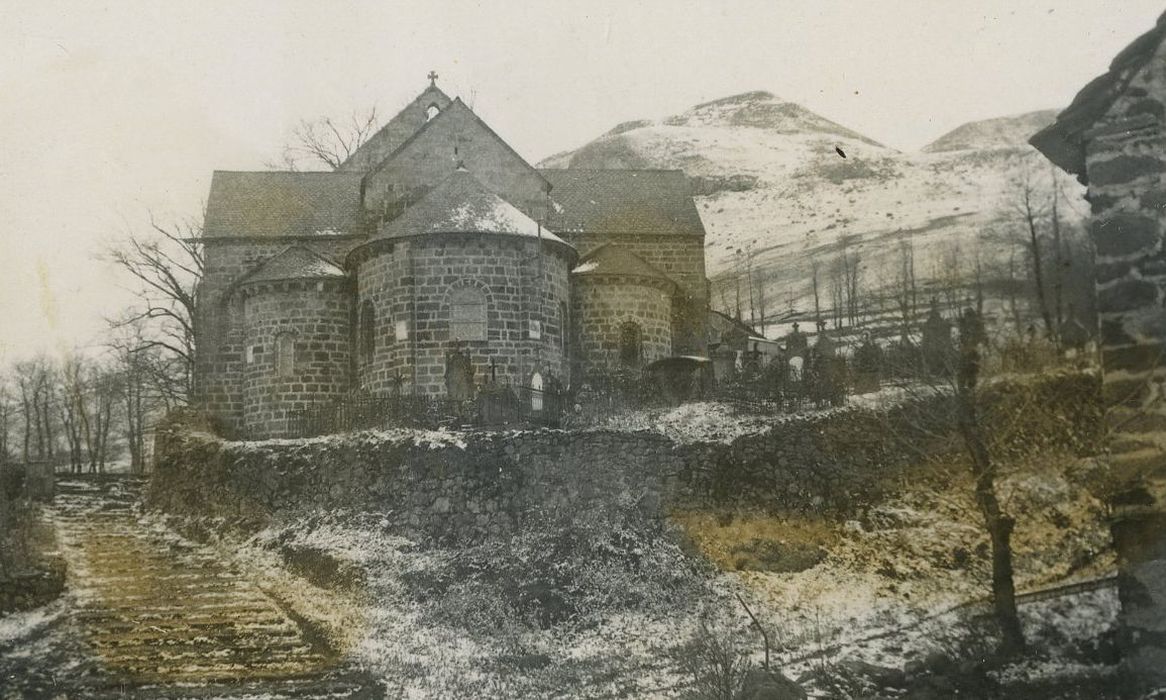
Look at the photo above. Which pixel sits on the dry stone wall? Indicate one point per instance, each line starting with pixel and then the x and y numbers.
pixel 464 485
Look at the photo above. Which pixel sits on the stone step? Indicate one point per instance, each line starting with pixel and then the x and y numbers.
pixel 164 637
pixel 167 619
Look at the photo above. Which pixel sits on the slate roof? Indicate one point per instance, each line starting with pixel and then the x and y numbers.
pixel 610 259
pixel 295 262
pixel 462 204
pixel 1062 141
pixel 268 204
pixel 626 202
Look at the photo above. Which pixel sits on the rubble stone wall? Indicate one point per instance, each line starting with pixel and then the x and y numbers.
pixel 1125 158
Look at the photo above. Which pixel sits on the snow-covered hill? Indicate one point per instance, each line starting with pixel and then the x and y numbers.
pixel 782 186
pixel 1002 132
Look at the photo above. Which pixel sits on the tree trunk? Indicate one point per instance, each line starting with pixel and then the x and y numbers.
pixel 1038 272
pixel 1058 270
pixel 998 524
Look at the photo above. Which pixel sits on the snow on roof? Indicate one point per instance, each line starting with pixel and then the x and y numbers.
pixel 611 259
pixel 295 262
pixel 462 204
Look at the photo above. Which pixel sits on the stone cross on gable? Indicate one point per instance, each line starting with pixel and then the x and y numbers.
pixel 432 78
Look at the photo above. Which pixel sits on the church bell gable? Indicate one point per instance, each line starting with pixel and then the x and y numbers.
pixel 454 135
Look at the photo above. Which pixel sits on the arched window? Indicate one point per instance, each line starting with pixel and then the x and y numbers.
pixel 467 314
pixel 431 112
pixel 368 331
pixel 536 392
pixel 285 354
pixel 631 344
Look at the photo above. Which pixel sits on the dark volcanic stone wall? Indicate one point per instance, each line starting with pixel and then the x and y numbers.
pixel 1125 160
pixel 219 325
pixel 316 315
pixel 602 305
pixel 409 283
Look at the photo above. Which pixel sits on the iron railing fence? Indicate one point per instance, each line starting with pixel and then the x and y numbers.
pixel 497 405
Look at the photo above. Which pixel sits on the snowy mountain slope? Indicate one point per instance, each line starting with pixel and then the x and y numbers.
pixel 779 185
pixel 1002 132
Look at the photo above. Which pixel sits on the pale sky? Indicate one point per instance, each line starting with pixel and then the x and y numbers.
pixel 109 110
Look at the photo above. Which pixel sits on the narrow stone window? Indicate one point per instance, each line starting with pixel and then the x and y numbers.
pixel 536 329
pixel 285 354
pixel 368 331
pixel 536 392
pixel 631 344
pixel 565 330
pixel 431 112
pixel 467 314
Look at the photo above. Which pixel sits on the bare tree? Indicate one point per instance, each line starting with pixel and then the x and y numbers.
pixel 142 388
pixel 328 141
pixel 1028 205
pixel 907 291
pixel 164 270
pixel 953 398
pixel 814 281
pixel 7 411
pixel 35 383
pixel 72 408
pixel 852 275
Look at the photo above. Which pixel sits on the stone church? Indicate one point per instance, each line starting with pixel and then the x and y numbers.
pixel 434 259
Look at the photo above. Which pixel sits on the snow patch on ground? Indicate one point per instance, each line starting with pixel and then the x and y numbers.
pixel 17 626
pixel 724 422
pixel 433 439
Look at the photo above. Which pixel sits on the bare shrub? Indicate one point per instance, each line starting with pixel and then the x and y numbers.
pixel 713 661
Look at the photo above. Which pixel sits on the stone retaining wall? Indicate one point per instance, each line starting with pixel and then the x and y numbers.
pixel 463 485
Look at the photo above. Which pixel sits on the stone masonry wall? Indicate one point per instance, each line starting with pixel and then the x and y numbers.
pixel 219 327
pixel 455 137
pixel 1126 173
pixel 317 315
pixel 682 259
pixel 411 280
pixel 602 305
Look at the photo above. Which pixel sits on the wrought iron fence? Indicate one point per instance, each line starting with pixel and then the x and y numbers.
pixel 494 405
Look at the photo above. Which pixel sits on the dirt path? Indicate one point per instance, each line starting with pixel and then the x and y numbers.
pixel 158 617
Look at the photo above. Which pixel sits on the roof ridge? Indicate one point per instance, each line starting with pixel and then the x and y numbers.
pixel 417 134
pixel 398 119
